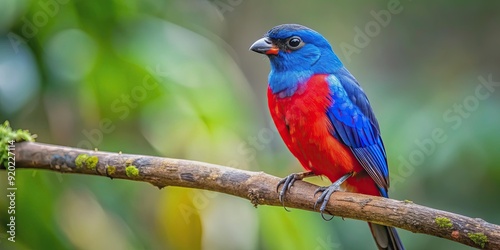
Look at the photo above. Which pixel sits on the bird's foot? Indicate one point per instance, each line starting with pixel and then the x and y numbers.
pixel 326 192
pixel 288 183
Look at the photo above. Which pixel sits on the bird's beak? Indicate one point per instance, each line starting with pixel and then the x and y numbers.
pixel 264 46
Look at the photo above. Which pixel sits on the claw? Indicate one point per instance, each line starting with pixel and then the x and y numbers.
pixel 287 183
pixel 319 190
pixel 324 198
pixel 327 193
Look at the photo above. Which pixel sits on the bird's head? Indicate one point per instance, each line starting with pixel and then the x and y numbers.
pixel 293 47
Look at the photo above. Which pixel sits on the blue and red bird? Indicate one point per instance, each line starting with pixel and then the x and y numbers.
pixel 325 119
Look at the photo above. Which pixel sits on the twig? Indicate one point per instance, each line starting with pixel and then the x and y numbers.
pixel 259 188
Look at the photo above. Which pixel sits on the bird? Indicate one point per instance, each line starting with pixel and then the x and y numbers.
pixel 325 119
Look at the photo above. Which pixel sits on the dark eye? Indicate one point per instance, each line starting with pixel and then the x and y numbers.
pixel 294 43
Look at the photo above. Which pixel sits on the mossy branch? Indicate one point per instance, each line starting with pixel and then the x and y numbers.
pixel 259 188
pixel 9 136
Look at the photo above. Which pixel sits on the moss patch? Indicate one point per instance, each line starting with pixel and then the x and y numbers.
pixel 111 170
pixel 478 238
pixel 443 222
pixel 7 135
pixel 132 171
pixel 80 160
pixel 91 162
pixel 85 160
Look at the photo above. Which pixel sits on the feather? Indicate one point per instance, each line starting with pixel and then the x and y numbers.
pixel 354 124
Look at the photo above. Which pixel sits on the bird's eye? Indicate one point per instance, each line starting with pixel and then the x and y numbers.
pixel 295 43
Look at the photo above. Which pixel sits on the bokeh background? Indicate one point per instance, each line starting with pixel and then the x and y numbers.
pixel 176 79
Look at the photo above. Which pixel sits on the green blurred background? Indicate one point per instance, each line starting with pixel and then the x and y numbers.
pixel 176 79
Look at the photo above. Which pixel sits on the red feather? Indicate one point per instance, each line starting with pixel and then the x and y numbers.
pixel 306 130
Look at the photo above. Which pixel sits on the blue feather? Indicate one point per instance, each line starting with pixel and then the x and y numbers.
pixel 351 116
pixel 355 125
pixel 291 69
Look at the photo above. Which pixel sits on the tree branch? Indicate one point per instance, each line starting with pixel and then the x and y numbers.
pixel 259 188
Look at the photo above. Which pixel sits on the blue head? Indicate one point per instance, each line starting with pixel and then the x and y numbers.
pixel 296 53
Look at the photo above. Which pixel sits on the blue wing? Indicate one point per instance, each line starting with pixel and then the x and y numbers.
pixel 355 125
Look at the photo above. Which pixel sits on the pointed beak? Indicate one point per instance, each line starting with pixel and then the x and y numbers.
pixel 264 46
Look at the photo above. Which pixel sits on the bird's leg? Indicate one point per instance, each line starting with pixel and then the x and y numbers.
pixel 288 183
pixel 328 191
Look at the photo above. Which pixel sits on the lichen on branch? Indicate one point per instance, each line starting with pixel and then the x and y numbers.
pixel 259 188
pixel 7 135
